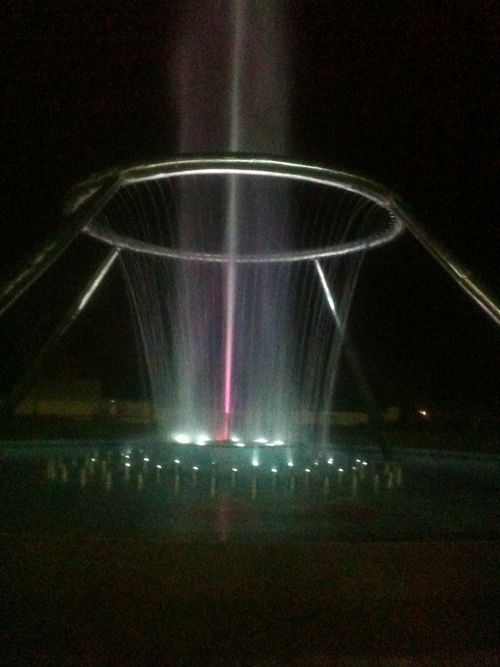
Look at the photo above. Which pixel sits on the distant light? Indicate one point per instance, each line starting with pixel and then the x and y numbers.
pixel 240 444
pixel 234 438
pixel 176 461
pixel 424 413
pixel 316 463
pixel 182 438
pixel 358 460
pixel 195 468
pixel 201 443
pixel 341 469
pixel 234 469
pixel 365 463
pixel 274 469
pixel 308 469
pixel 261 440
pixel 158 466
pixel 354 468
pixel 127 456
pixel 290 464
pixel 330 461
pixel 146 459
pixel 93 460
pixel 128 465
pixel 255 464
pixel 278 442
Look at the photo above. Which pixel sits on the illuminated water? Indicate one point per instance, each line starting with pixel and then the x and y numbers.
pixel 233 349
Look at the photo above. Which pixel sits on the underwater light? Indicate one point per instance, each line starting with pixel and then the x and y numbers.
pixel 176 461
pixel 330 461
pixel 262 441
pixel 290 464
pixel 182 438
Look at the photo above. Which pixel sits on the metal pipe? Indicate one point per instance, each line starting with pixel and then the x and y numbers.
pixel 28 379
pixel 374 415
pixel 89 206
pixel 459 274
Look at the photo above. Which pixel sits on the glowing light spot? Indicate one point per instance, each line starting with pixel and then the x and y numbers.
pixel 234 469
pixel 308 469
pixel 330 461
pixel 316 463
pixel 158 466
pixel 234 438
pixel 424 413
pixel 341 469
pixel 176 461
pixel 262 441
pixel 274 470
pixel 146 459
pixel 201 443
pixel 278 442
pixel 128 465
pixel 354 468
pixel 182 438
pixel 365 463
pixel 240 444
pixel 255 464
pixel 290 464
pixel 93 460
pixel 195 468
pixel 358 460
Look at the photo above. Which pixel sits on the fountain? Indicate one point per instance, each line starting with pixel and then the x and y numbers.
pixel 241 270
pixel 241 315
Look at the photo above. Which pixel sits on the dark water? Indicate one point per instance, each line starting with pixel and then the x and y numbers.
pixel 217 494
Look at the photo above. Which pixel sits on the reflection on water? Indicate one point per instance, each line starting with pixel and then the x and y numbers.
pixel 210 493
pixel 318 478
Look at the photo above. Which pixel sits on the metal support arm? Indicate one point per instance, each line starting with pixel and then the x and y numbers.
pixel 459 274
pixel 28 379
pixel 43 259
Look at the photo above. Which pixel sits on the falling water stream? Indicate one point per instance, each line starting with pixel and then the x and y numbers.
pixel 247 351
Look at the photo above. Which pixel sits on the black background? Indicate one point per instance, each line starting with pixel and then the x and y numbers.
pixel 404 92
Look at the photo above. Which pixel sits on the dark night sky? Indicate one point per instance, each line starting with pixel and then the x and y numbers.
pixel 406 94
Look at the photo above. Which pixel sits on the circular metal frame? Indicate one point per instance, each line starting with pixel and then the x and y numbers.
pixel 246 166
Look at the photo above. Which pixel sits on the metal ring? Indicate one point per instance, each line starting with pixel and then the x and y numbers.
pixel 252 166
